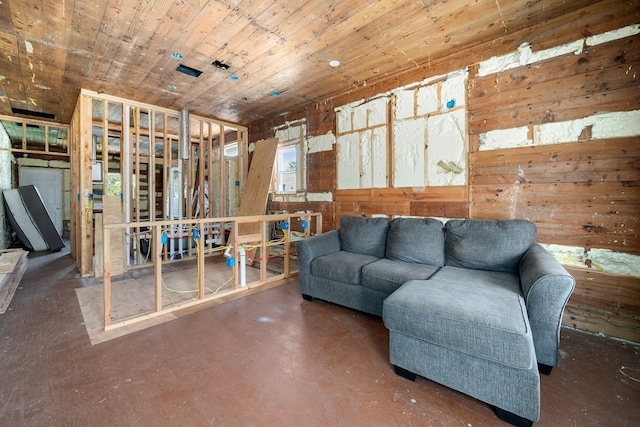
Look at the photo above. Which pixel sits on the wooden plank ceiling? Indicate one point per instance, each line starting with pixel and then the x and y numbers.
pixel 278 52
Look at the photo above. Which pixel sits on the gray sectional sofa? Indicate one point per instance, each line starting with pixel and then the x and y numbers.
pixel 475 305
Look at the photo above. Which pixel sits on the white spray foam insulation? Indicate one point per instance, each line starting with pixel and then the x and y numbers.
pixel 404 104
pixel 366 173
pixel 360 117
pixel 348 164
pixel 615 262
pixel 606 125
pixel 377 112
pixel 320 143
pixel 379 148
pixel 446 149
pixel 620 33
pixel 505 138
pixel 409 153
pixel 605 260
pixel 524 55
pixel 428 100
pixel 320 197
pixel 343 119
pixel 454 89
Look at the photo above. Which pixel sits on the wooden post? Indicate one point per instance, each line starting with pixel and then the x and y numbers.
pixel 106 274
pixel 222 174
pixel 156 247
pixel 151 167
pixel 135 241
pixel 264 250
pixel 287 249
pixel 234 252
pixel 85 187
pixel 201 248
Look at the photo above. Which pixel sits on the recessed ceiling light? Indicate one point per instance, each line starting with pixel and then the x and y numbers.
pixel 176 55
pixel 334 63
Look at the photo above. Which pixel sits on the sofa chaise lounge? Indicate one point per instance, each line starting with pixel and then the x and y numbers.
pixel 475 305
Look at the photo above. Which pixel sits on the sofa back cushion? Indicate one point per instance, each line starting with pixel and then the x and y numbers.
pixel 419 240
pixel 487 244
pixel 367 236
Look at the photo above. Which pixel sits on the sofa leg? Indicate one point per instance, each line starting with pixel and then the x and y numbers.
pixel 404 373
pixel 512 418
pixel 544 369
pixel 307 297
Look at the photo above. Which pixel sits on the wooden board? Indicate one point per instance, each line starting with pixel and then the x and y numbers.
pixel 256 192
pixel 602 303
pixel 13 264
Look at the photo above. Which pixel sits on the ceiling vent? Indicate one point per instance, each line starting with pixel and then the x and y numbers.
pixel 189 71
pixel 220 65
pixel 37 114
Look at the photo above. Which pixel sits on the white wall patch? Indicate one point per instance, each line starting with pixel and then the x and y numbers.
pixel 409 153
pixel 447 148
pixel 348 164
pixel 320 143
pixel 505 138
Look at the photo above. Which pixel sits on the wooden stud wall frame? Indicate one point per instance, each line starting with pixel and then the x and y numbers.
pixel 137 144
pixel 196 230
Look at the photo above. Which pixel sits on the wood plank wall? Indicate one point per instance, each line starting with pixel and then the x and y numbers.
pixel 580 193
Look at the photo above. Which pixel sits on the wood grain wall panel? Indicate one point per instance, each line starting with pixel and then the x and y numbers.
pixel 584 193
pixel 604 303
pixel 321 167
pixel 558 89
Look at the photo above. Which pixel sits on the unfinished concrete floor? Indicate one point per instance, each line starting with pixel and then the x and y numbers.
pixel 269 359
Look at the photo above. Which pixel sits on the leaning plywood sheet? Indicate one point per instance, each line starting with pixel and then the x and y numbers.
pixel 13 264
pixel 256 191
pixel 30 220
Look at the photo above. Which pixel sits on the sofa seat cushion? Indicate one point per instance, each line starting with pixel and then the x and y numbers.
pixel 490 245
pixel 479 313
pixel 418 240
pixel 386 275
pixel 341 266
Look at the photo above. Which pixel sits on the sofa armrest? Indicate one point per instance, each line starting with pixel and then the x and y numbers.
pixel 312 247
pixel 546 287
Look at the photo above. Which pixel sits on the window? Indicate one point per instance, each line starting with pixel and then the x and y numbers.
pixel 231 150
pixel 287 166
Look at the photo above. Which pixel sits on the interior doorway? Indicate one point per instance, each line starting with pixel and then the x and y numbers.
pixel 49 185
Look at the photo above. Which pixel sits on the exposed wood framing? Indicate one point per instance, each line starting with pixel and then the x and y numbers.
pixel 129 135
pixel 200 225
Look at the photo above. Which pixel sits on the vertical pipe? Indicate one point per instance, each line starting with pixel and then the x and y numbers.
pixel 183 134
pixel 243 267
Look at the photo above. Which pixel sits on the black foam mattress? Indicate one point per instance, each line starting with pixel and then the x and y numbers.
pixel 30 219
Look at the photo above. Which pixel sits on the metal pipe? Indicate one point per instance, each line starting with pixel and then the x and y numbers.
pixel 184 140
